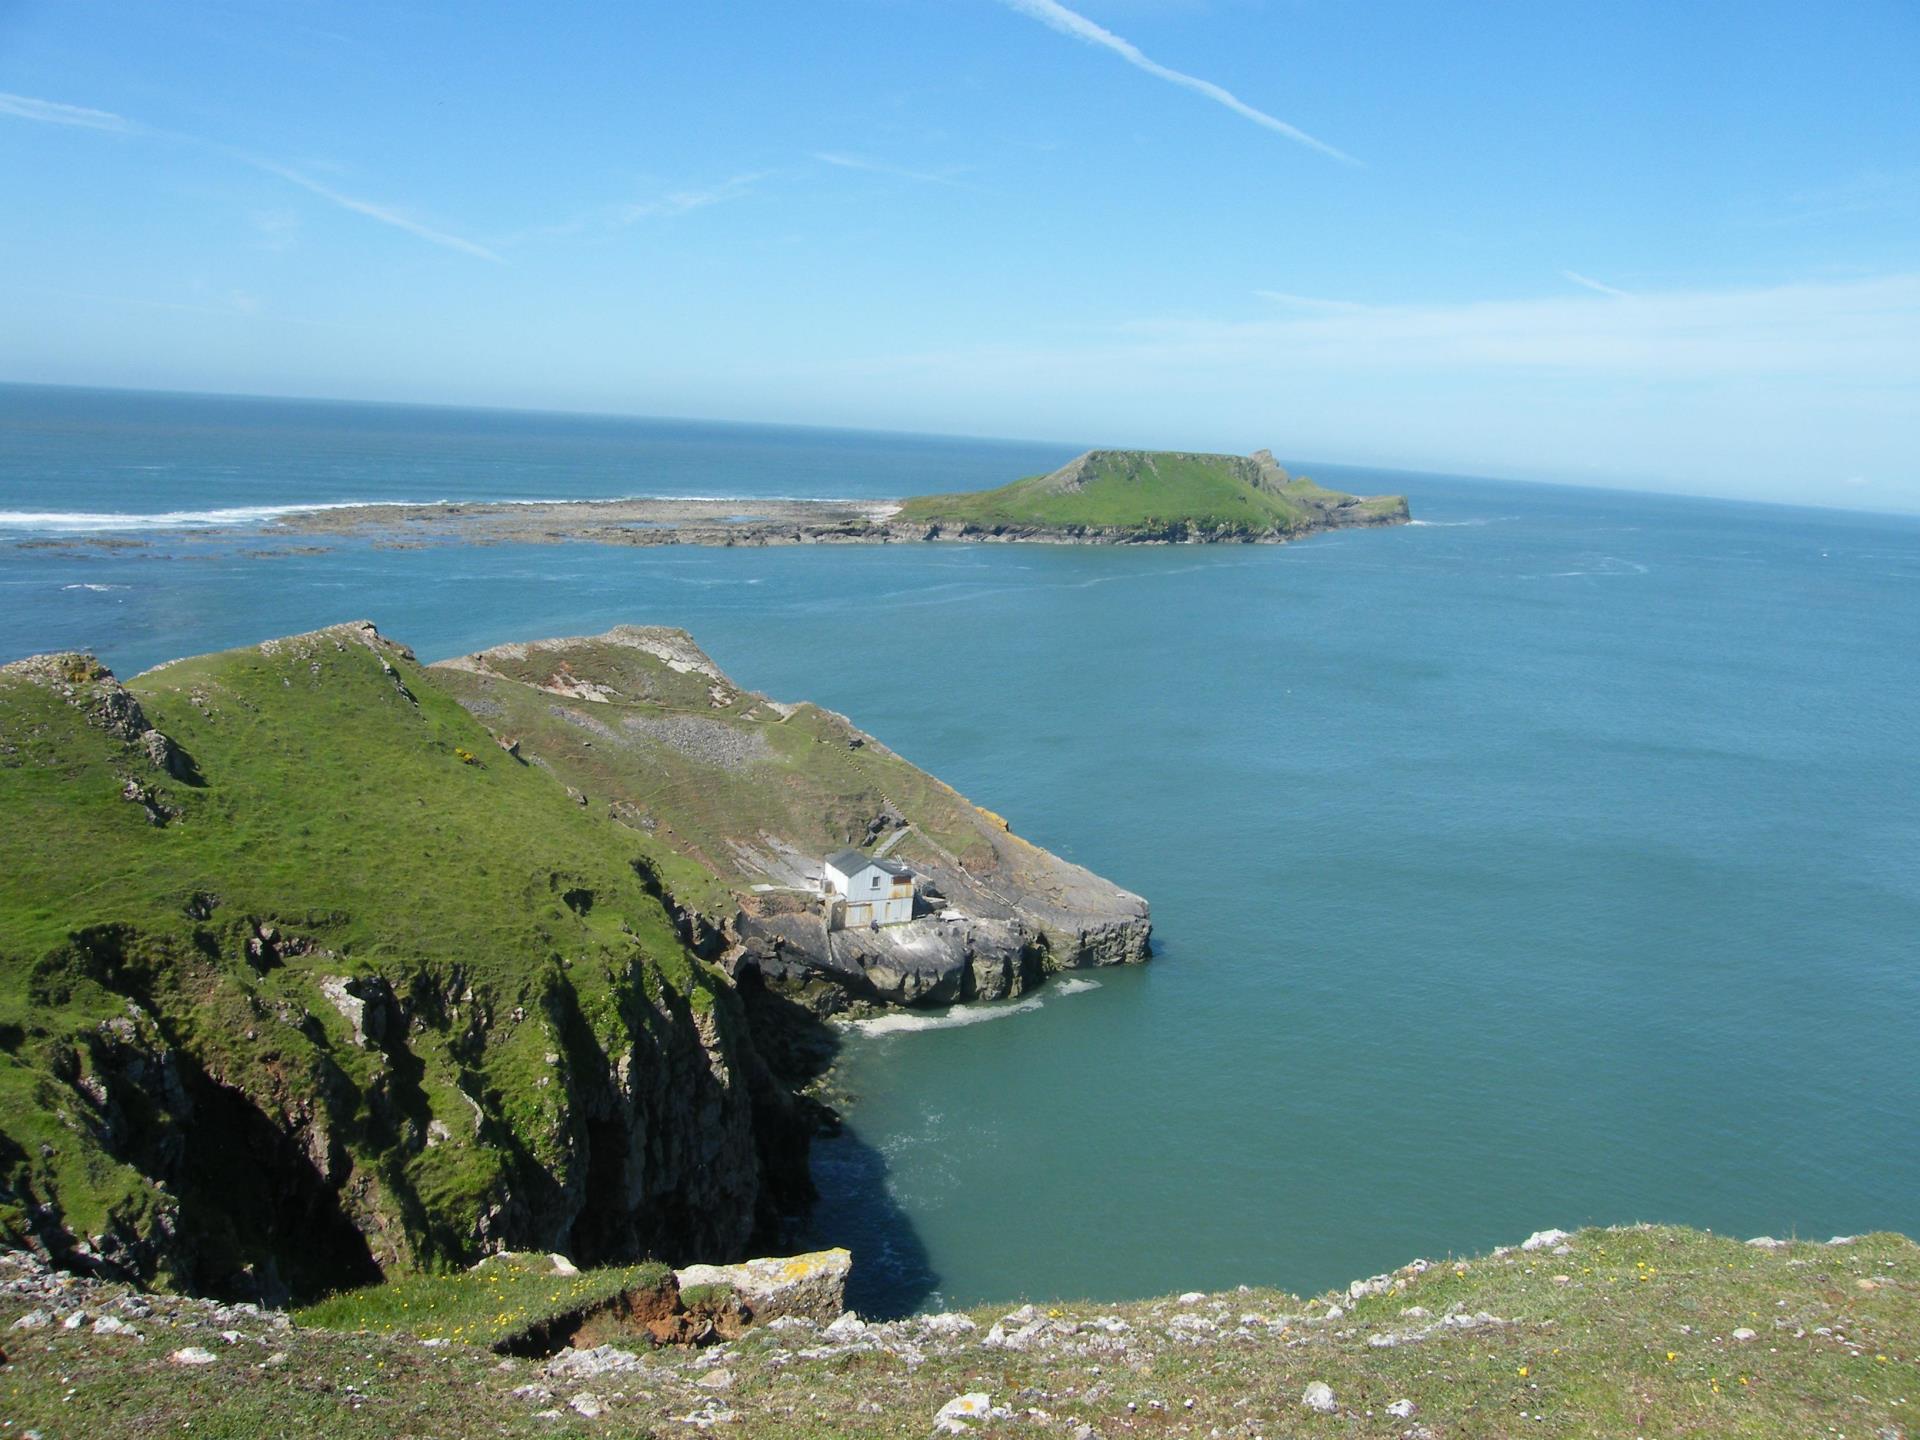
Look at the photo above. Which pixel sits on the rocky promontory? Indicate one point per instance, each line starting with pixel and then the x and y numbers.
pixel 739 799
pixel 319 965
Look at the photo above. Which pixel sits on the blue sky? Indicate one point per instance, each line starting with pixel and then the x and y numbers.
pixel 1642 244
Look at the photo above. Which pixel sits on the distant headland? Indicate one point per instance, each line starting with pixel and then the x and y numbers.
pixel 1103 497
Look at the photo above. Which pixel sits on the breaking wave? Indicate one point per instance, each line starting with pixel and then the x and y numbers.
pixel 83 521
pixel 975 1014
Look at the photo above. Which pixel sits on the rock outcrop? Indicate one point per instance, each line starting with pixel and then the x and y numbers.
pixel 808 1287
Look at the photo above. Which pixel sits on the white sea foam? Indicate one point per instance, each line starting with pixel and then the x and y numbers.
pixel 71 522
pixel 1074 985
pixel 1458 524
pixel 76 521
pixel 947 1020
pixel 1604 565
pixel 99 589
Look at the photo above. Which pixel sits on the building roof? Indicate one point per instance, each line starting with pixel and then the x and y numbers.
pixel 851 862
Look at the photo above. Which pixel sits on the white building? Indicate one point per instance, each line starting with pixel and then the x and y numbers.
pixel 863 891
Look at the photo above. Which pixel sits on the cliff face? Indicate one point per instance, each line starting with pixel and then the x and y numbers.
pixel 737 799
pixel 303 978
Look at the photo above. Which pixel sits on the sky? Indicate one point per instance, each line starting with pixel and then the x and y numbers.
pixel 1639 244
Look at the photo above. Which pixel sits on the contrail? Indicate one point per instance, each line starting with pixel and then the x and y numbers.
pixel 1068 22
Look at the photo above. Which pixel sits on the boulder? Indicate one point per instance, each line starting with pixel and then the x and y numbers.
pixel 1319 1397
pixel 959 1413
pixel 811 1287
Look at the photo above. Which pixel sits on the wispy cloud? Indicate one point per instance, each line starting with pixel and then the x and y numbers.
pixel 1069 22
pixel 385 214
pixel 880 167
pixel 52 112
pixel 1308 302
pixel 681 202
pixel 1598 286
pixel 1865 331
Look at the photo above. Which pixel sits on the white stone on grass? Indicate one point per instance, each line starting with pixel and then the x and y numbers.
pixel 191 1355
pixel 1545 1239
pixel 848 1327
pixel 962 1411
pixel 1319 1397
pixel 1401 1409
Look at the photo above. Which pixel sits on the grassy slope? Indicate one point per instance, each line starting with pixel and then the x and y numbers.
pixel 496 1301
pixel 1637 1339
pixel 335 804
pixel 1141 490
pixel 806 785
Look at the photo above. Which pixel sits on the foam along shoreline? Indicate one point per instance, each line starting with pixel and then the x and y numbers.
pixel 230 517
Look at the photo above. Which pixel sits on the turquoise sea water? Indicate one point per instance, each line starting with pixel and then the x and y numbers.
pixel 1553 860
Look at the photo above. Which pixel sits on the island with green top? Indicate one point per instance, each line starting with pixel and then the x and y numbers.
pixel 1103 497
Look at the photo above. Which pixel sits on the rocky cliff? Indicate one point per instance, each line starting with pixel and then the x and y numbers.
pixel 304 979
pixel 318 964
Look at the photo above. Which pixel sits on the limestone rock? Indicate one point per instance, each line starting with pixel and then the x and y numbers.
pixel 1319 1397
pixel 963 1411
pixel 811 1287
pixel 1545 1239
pixel 588 1406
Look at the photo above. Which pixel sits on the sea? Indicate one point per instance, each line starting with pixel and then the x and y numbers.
pixel 1553 860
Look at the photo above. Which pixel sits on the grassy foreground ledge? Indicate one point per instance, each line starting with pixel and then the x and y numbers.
pixel 492 1304
pixel 1645 1331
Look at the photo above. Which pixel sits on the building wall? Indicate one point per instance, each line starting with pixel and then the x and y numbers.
pixel 893 907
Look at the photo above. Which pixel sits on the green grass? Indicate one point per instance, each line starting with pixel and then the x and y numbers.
pixel 335 805
pixel 1631 1334
pixel 1147 491
pixel 806 783
pixel 494 1302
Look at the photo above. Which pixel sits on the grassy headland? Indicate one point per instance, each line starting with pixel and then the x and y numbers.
pixel 1166 494
pixel 325 983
